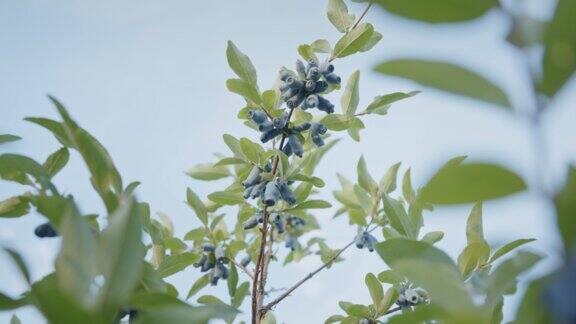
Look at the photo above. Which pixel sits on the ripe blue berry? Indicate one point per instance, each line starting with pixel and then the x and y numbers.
pixel 252 178
pixel 317 140
pixel 291 242
pixel 207 265
pixel 295 100
pixel 295 145
pixel 312 101
pixel 245 260
pixel 45 230
pixel 257 190
pixel 310 85
pixel 332 78
pixel 321 86
pixel 271 194
pixel 281 121
pixel 266 126
pixel 208 247
pixel 278 223
pixel 250 223
pixel 257 116
pixel 286 193
pixel 360 241
pixel 302 127
pixel 326 68
pixel 313 73
pixel 267 136
pixel 201 262
pixel 287 150
pixel 318 128
pixel 325 105
pixel 300 68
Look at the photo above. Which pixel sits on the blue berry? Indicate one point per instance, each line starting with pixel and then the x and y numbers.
pixel 201 262
pixel 257 190
pixel 295 145
pixel 292 242
pixel 208 247
pixel 278 223
pixel 310 85
pixel 300 68
pixel 266 126
pixel 312 101
pixel 286 193
pixel 281 121
pixel 252 178
pixel 302 127
pixel 207 265
pixel 317 140
pixel 318 128
pixel 250 223
pixel 360 241
pixel 287 150
pixel 332 78
pixel 325 105
pixel 271 194
pixel 313 73
pixel 45 230
pixel 326 68
pixel 267 136
pixel 245 260
pixel 257 116
pixel 321 86
pixel 295 100
pixel 219 254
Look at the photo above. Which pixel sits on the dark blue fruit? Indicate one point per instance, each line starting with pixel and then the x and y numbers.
pixel 45 230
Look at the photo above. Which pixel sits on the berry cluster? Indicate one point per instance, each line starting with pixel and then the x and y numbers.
pixel 213 259
pixel 410 297
pixel 365 239
pixel 304 89
pixel 269 191
pixel 45 230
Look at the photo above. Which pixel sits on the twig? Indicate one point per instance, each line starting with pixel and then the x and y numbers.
pixel 243 268
pixel 273 303
pixel 259 263
pixel 362 15
pixel 392 310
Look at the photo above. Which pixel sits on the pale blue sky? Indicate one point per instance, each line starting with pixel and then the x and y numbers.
pixel 147 79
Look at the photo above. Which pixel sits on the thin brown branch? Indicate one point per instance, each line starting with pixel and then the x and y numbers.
pixel 273 303
pixel 362 15
pixel 243 268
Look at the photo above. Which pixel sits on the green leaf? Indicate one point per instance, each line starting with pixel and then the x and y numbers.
pixel 306 52
pixel 7 138
pixel 197 205
pixel 566 209
pixel 270 100
pixel 375 288
pixel 508 248
pixel 312 204
pixel 210 300
pixel 19 262
pixel 241 293
pixel 57 307
pixel 380 104
pixel 198 285
pixel 76 264
pixel 226 198
pixel 407 190
pixel 438 11
pixel 560 48
pixel 390 277
pixel 53 126
pixel 474 228
pixel 432 237
pixel 364 178
pixel 233 144
pixel 530 310
pixel 338 15
pixel 245 89
pixel 9 303
pixel 353 41
pixel 15 206
pixel 473 255
pixel 398 217
pixel 208 171
pixel 121 255
pixel 241 64
pixel 196 234
pixel 14 163
pixel 175 263
pixel 56 161
pixel 251 150
pixel 358 310
pixel 232 280
pixel 504 276
pixel 355 126
pixel 387 301
pixel 187 314
pixel 447 77
pixel 467 183
pixel 350 97
pixel 374 39
pixel 388 181
pixel 321 46
pixel 399 249
pixel 336 122
pixel 15 320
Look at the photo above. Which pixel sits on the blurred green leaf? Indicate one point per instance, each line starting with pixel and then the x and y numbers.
pixel 56 128
pixel 9 303
pixel 350 97
pixel 374 39
pixel 184 314
pixel 226 197
pixel 19 262
pixel 407 190
pixel 339 16
pixel 336 122
pixel 197 205
pixel 432 237
pixel 241 64
pixel 388 181
pixel 466 183
pixel 531 310
pixel 198 285
pixel 389 276
pixel 353 41
pixel 312 204
pixel 15 320
pixel 365 180
pixel 438 11
pixel 77 263
pixel 56 161
pixel 306 52
pixel 210 300
pixel 321 46
pixel 559 61
pixel 473 255
pixel 387 301
pixel 208 171
pixel 474 228
pixel 241 292
pixel 398 217
pixel 565 204
pixel 375 288
pixel 233 144
pixel 7 138
pixel 175 263
pixel 15 206
pixel 508 248
pixel 505 275
pixel 13 163
pixel 232 280
pixel 121 255
pixel 526 31
pixel 447 77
